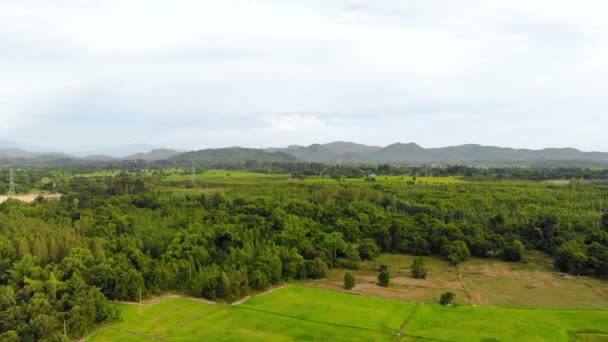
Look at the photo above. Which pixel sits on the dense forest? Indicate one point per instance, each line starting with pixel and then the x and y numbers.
pixel 116 237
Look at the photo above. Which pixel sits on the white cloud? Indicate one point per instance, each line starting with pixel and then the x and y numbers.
pixel 261 73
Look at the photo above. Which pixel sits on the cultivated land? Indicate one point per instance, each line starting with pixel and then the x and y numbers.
pixel 533 283
pixel 302 313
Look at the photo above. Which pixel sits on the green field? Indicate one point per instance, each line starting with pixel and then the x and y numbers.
pixel 308 314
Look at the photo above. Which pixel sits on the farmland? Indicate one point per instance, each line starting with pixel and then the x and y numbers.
pixel 533 283
pixel 302 313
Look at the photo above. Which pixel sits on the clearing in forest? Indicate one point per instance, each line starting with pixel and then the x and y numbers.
pixel 482 282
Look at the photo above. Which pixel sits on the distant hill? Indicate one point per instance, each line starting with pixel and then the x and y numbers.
pixel 97 158
pixel 233 155
pixel 413 153
pixel 16 153
pixel 157 154
pixel 333 151
pixel 482 154
pixel 398 153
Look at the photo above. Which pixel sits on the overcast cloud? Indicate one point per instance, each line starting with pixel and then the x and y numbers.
pixel 77 75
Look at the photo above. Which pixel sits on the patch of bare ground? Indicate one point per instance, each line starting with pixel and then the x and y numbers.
pixel 29 198
pixel 477 282
pixel 401 288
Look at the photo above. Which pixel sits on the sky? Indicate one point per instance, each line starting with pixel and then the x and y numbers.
pixel 192 74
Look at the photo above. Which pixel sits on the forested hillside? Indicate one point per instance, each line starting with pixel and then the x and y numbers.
pixel 112 237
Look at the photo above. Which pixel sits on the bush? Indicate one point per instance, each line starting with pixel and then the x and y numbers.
pixel 457 252
pixel 513 251
pixel 318 269
pixel 384 277
pixel 368 249
pixel 349 281
pixel 447 298
pixel 418 268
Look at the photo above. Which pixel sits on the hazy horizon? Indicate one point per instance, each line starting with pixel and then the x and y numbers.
pixel 88 76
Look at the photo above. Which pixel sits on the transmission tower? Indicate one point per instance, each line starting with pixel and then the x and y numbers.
pixel 11 183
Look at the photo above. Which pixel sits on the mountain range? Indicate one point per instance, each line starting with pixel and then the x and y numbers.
pixel 338 151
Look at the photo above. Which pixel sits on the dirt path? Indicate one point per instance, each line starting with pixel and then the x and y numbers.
pixel 154 300
pixel 465 289
pixel 408 319
pixel 272 289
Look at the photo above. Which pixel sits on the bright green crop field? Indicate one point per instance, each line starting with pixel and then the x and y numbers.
pixel 297 313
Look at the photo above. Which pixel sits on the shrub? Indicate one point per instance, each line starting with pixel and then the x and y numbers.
pixel 447 298
pixel 418 268
pixel 457 252
pixel 349 281
pixel 384 277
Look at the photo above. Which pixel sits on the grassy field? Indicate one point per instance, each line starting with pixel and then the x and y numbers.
pixel 533 283
pixel 308 314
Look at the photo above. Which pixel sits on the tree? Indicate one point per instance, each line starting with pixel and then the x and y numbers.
pixel 513 251
pixel 335 243
pixel 318 269
pixel 447 298
pixel 368 249
pixel 605 221
pixel 572 257
pixel 418 268
pixel 384 277
pixel 457 252
pixel 349 281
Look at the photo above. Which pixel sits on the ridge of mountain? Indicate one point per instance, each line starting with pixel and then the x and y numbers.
pixel 337 151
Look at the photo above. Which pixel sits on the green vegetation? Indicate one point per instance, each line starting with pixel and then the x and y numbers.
pixel 533 283
pixel 349 281
pixel 447 298
pixel 384 277
pixel 300 313
pixel 418 268
pixel 465 323
pixel 225 234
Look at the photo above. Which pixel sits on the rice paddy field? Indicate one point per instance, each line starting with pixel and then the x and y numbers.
pixel 299 313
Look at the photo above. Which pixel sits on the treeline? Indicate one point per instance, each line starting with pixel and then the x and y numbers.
pixel 35 177
pixel 117 237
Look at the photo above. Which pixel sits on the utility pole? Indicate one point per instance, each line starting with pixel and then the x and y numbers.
pixel 140 302
pixel 11 183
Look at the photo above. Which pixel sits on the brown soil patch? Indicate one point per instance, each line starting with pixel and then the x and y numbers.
pixel 30 197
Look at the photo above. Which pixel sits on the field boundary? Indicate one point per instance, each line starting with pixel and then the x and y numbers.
pixel 196 318
pixel 314 321
pixel 572 333
pixel 157 299
pixel 272 289
pixel 409 317
pixel 464 287
pixel 152 337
